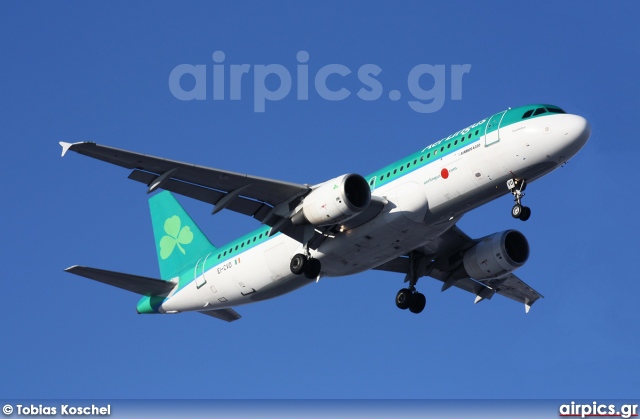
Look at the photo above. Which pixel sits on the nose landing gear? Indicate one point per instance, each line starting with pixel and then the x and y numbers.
pixel 517 187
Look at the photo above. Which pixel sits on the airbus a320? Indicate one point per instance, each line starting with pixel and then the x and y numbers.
pixel 401 218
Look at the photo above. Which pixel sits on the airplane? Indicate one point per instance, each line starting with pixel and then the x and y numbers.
pixel 401 218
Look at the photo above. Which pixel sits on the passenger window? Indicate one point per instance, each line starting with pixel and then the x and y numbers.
pixel 441 149
pixel 456 143
pixel 401 168
pixel 421 158
pixel 395 171
pixel 449 145
pixel 476 132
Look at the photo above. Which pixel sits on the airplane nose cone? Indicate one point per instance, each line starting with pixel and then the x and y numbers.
pixel 576 130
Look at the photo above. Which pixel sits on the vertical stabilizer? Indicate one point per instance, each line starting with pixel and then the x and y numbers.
pixel 179 241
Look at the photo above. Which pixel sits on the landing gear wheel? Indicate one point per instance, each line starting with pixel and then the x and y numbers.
pixel 526 213
pixel 404 298
pixel 313 269
pixel 418 303
pixel 298 264
pixel 516 211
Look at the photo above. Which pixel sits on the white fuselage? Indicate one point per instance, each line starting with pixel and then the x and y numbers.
pixel 422 204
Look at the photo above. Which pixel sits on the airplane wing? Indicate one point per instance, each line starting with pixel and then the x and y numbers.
pixel 438 255
pixel 267 200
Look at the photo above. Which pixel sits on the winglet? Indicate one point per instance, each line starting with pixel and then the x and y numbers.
pixel 65 147
pixel 527 307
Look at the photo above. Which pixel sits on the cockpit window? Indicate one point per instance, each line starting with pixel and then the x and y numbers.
pixel 555 110
pixel 539 111
pixel 527 114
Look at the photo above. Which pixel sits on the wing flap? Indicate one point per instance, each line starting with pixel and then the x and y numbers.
pixel 516 289
pixel 262 189
pixel 226 314
pixel 241 205
pixel 139 284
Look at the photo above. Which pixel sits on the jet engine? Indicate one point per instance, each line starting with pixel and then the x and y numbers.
pixel 334 201
pixel 496 255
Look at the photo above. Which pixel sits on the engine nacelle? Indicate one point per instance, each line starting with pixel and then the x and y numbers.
pixel 496 255
pixel 334 201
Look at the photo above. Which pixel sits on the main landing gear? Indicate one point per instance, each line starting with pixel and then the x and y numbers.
pixel 304 264
pixel 411 299
pixel 517 187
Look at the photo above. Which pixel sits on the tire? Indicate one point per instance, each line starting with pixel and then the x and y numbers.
pixel 298 264
pixel 516 211
pixel 526 213
pixel 404 298
pixel 418 303
pixel 313 269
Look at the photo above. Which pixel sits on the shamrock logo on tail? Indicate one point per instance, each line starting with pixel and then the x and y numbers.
pixel 175 237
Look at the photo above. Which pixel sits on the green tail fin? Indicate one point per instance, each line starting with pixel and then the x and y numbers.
pixel 179 241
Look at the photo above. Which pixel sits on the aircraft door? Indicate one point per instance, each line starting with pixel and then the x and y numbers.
pixel 198 273
pixel 492 137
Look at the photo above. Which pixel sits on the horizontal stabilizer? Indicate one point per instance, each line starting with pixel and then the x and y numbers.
pixel 134 283
pixel 226 314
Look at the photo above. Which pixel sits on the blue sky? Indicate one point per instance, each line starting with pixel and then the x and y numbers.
pixel 100 72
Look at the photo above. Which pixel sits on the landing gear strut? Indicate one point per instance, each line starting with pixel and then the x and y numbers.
pixel 303 264
pixel 409 298
pixel 517 187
